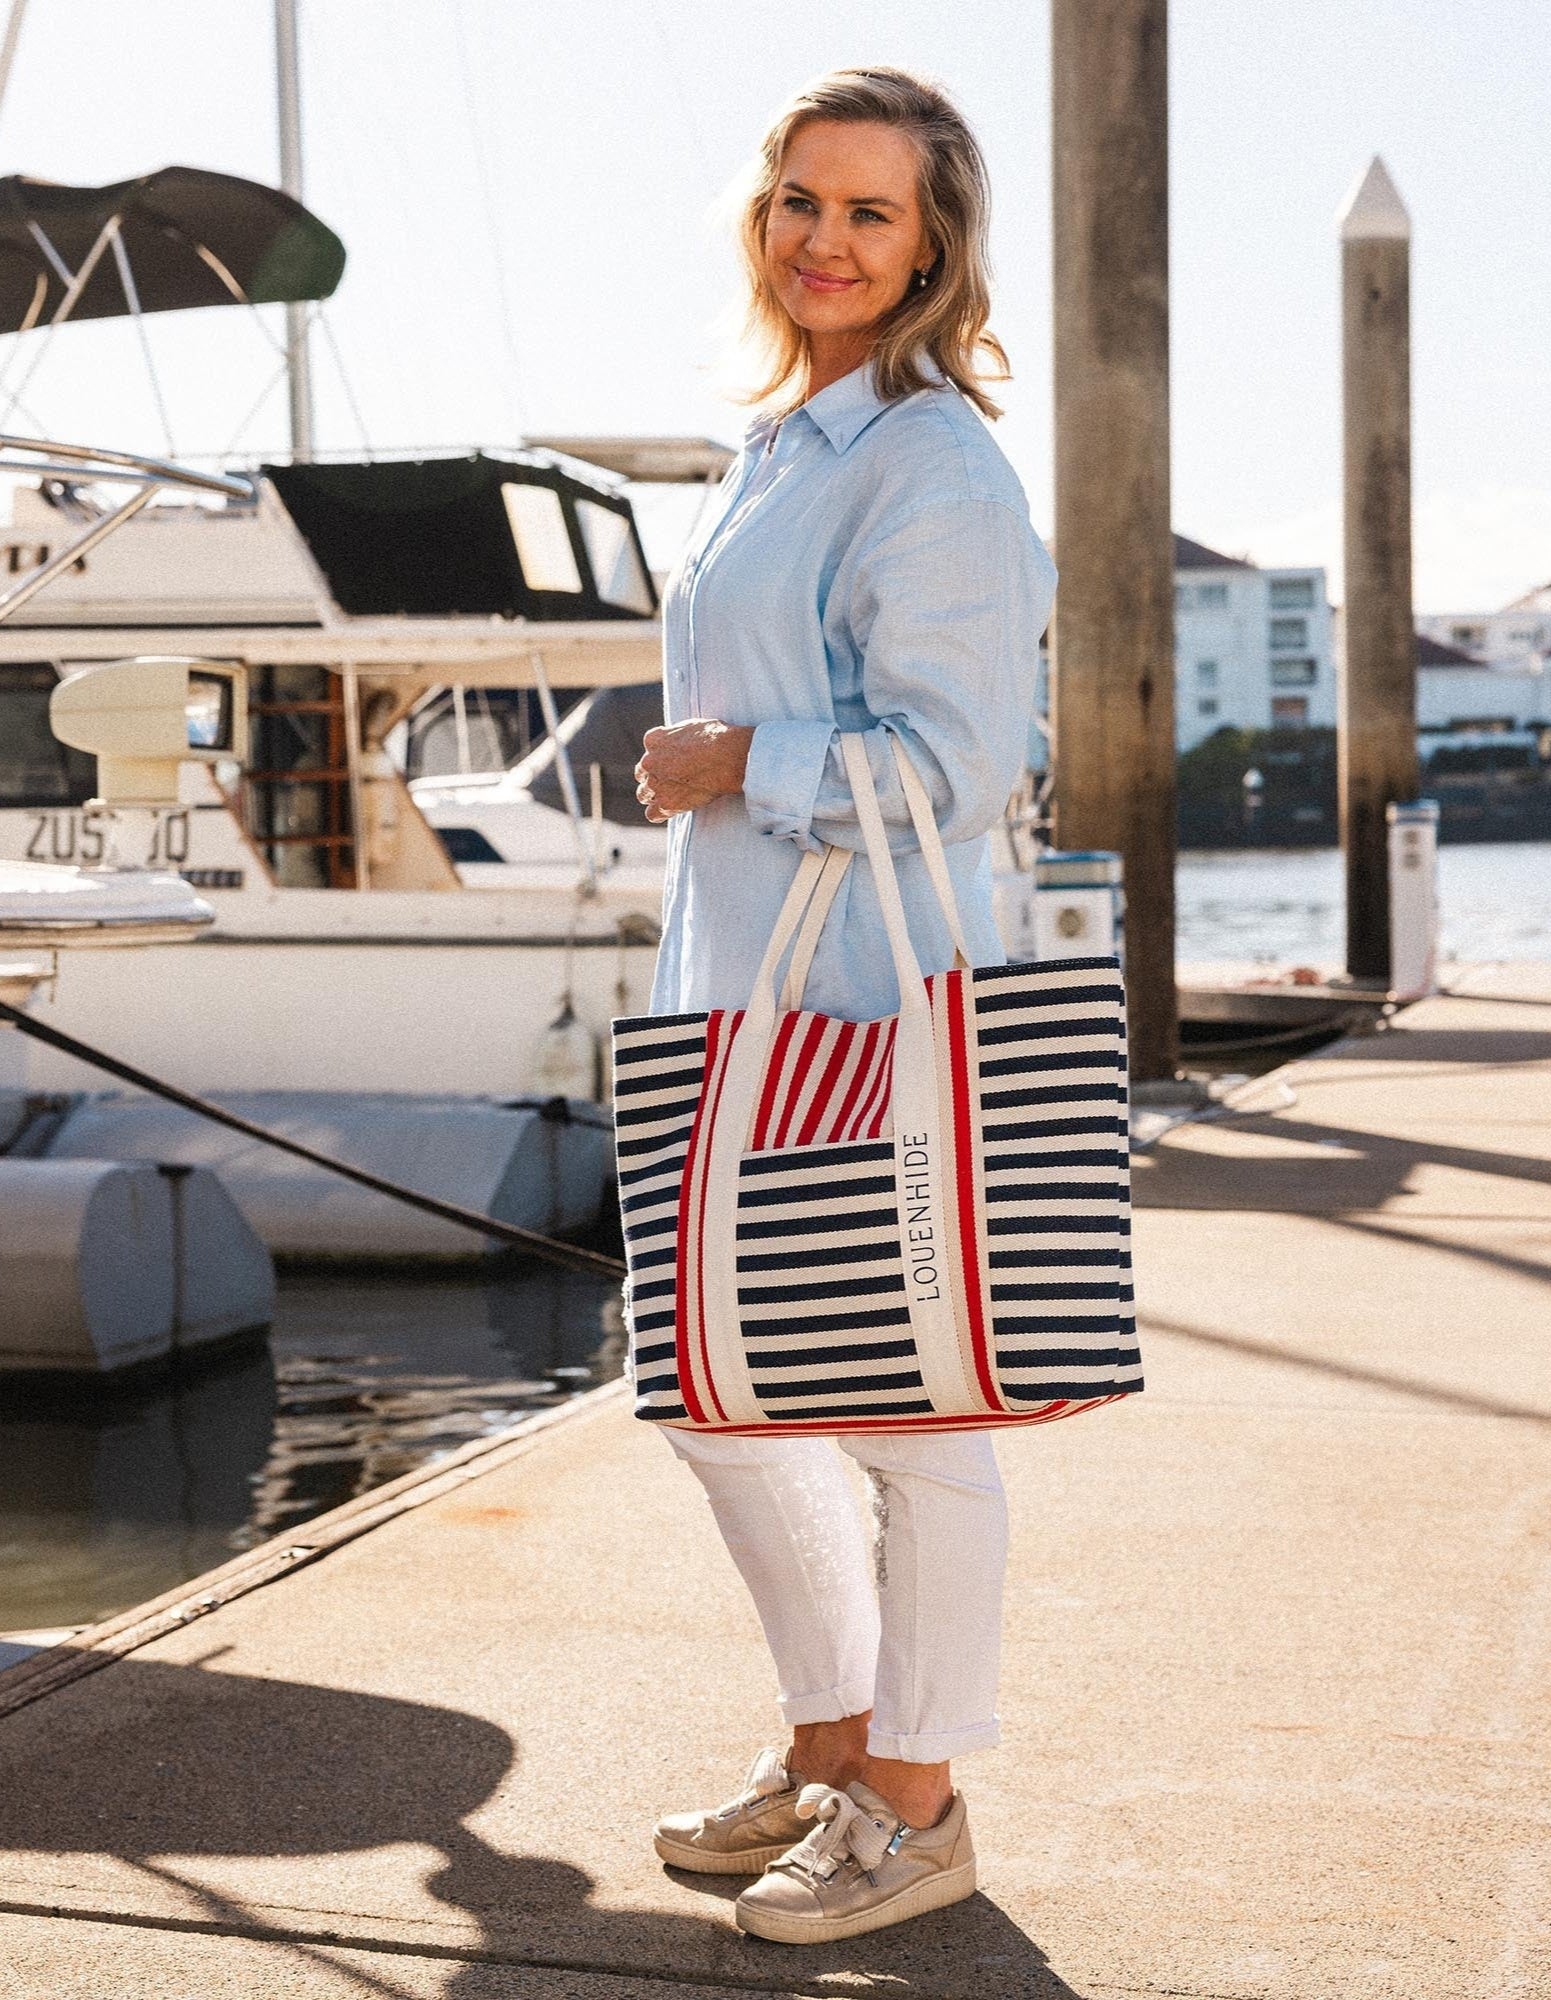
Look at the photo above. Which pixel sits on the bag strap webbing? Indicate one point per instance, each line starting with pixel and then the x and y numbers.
pixel 918 799
pixel 836 861
pixel 919 1140
pixel 907 969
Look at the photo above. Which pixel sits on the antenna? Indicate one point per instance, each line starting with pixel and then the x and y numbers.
pixel 289 91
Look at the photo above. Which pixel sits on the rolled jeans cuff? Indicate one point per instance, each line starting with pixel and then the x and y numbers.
pixel 938 1747
pixel 825 1704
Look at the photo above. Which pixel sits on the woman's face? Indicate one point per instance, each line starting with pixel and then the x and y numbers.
pixel 844 237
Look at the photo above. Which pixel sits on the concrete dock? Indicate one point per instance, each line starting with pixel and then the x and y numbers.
pixel 1277 1687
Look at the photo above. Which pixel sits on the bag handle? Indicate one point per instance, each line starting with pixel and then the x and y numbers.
pixel 918 799
pixel 838 859
pixel 907 968
pixel 810 897
pixel 804 887
pixel 916 1104
pixel 921 1095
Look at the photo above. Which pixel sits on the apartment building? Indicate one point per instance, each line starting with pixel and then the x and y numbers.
pixel 1486 670
pixel 1520 630
pixel 1253 647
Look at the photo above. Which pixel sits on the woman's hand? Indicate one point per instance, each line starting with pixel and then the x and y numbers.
pixel 690 764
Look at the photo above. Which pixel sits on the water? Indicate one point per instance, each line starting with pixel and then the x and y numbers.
pixel 108 1501
pixel 1287 907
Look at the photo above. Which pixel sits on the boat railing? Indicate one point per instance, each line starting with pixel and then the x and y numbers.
pixel 49 458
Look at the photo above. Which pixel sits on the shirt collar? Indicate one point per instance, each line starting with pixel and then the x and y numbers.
pixel 845 409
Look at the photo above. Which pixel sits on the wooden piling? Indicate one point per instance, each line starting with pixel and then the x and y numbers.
pixel 1112 647
pixel 1377 761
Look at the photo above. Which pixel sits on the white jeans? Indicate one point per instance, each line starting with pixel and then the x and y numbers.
pixel 911 1629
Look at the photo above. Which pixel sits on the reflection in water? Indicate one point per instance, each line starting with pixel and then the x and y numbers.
pixel 107 1500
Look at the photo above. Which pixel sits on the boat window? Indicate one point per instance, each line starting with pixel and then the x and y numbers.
pixel 539 531
pixel 209 711
pixel 36 769
pixel 617 569
pixel 447 746
pixel 467 843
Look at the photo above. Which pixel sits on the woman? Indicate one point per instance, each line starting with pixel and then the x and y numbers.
pixel 870 567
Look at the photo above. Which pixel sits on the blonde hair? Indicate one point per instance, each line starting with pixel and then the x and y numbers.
pixel 943 320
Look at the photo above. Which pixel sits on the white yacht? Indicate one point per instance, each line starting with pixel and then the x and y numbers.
pixel 349 950
pixel 352 987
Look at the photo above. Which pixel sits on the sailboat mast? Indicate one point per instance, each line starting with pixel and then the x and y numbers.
pixel 13 34
pixel 298 360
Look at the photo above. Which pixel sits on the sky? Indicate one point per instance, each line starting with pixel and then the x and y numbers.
pixel 533 199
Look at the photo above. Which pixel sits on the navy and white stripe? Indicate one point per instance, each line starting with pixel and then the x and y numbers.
pixel 821 1281
pixel 659 1065
pixel 821 1285
pixel 1056 1138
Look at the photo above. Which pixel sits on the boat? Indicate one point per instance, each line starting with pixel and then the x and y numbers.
pixel 46 909
pixel 347 966
pixel 323 871
pixel 107 1267
pixel 348 957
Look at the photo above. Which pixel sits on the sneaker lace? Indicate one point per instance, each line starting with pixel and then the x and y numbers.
pixel 767 1776
pixel 845 1832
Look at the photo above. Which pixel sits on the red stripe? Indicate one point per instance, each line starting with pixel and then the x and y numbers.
pixel 783 1036
pixel 732 1249
pixel 845 1038
pixel 800 1069
pixel 858 1078
pixel 874 1075
pixel 886 1095
pixel 964 1161
pixel 880 1070
pixel 692 1403
pixel 829 1427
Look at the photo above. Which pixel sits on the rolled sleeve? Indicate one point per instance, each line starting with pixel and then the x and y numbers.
pixel 786 766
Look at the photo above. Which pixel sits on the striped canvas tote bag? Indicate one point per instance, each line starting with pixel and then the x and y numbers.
pixel 915 1223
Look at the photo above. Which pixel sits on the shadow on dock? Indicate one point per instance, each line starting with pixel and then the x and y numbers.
pixel 1311 1168
pixel 162 1765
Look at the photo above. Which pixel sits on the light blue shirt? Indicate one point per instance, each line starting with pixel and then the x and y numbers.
pixel 866 566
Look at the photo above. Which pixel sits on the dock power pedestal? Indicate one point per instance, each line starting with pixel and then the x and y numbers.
pixel 1413 899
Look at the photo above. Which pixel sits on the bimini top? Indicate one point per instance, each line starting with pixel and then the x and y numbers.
pixel 480 536
pixel 189 238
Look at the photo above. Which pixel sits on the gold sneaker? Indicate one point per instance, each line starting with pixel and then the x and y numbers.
pixel 744 1836
pixel 859 1869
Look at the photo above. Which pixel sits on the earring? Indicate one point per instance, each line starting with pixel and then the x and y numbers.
pixel 920 282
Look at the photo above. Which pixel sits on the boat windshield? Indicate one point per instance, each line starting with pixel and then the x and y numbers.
pixel 36 769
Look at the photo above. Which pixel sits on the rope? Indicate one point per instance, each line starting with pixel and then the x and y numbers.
pixel 549 1248
pixel 254 407
pixel 1324 1024
pixel 321 320
pixel 126 278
